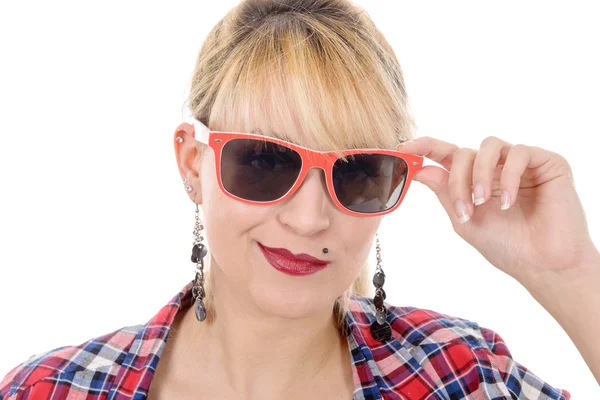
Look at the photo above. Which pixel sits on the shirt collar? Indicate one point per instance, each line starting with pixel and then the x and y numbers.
pixel 140 363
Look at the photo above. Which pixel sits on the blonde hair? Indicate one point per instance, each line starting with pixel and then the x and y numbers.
pixel 316 68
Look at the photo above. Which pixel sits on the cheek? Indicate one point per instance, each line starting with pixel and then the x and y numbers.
pixel 223 213
pixel 220 211
pixel 359 238
pixel 356 236
pixel 227 223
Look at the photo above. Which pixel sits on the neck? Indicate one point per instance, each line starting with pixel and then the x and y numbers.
pixel 250 351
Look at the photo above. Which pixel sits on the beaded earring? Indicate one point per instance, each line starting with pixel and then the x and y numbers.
pixel 199 251
pixel 380 329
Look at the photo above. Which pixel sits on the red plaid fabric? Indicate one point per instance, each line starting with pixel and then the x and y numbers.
pixel 431 356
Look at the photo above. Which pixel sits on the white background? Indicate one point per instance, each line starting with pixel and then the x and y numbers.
pixel 95 225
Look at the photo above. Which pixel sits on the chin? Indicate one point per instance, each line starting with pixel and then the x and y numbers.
pixel 289 303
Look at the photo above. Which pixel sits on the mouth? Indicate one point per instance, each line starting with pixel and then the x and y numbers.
pixel 293 264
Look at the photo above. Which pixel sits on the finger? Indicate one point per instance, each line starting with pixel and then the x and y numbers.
pixel 520 157
pixel 460 183
pixel 437 150
pixel 492 151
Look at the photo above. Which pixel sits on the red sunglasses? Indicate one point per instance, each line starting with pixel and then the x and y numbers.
pixel 258 169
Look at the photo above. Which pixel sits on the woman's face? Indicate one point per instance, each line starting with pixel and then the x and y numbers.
pixel 305 223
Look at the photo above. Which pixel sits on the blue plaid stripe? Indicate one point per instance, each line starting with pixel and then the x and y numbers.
pixel 431 356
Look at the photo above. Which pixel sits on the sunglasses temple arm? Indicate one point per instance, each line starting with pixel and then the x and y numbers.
pixel 201 131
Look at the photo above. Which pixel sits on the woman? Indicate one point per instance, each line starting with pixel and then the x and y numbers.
pixel 318 76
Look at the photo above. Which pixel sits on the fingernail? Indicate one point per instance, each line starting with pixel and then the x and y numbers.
pixel 479 194
pixel 461 211
pixel 505 200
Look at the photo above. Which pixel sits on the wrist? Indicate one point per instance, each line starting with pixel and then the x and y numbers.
pixel 550 288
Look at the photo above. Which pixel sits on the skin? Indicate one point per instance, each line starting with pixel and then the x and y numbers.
pixel 274 336
pixel 541 239
pixel 270 323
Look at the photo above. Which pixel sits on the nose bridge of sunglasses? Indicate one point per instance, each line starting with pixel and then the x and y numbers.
pixel 320 159
pixel 314 171
pixel 317 162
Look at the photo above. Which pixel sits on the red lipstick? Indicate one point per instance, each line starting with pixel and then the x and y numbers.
pixel 293 264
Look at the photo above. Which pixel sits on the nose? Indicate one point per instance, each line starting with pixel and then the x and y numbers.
pixel 307 212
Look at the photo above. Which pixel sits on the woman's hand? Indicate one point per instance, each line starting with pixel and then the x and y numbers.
pixel 543 231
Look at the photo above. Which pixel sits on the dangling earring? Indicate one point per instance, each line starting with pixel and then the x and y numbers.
pixel 199 251
pixel 380 329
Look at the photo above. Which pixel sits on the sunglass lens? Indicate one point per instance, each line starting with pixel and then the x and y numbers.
pixel 258 170
pixel 369 183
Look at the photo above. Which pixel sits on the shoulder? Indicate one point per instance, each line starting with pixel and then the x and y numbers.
pixel 412 326
pixel 118 362
pixel 445 351
pixel 42 373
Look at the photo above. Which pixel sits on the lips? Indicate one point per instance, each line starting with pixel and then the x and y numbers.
pixel 288 254
pixel 293 264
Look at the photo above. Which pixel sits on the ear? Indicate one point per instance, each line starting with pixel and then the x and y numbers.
pixel 187 153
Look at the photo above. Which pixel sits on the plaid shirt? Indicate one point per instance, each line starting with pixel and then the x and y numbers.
pixel 431 356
